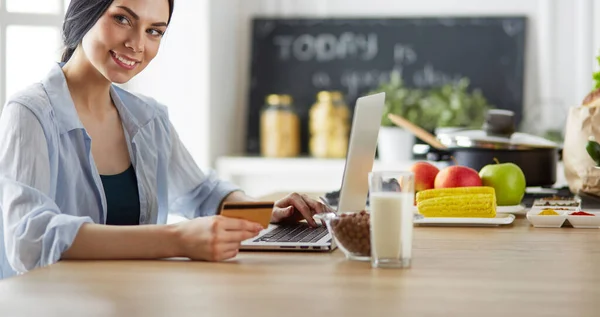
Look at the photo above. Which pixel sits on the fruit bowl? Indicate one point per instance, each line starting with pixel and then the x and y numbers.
pixel 351 231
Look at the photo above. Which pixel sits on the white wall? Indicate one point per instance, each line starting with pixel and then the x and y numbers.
pixel 228 41
pixel 207 94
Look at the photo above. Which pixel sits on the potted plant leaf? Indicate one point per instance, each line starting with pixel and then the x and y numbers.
pixel 396 144
pixel 449 106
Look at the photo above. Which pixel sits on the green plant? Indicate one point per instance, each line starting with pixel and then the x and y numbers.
pixel 554 136
pixel 451 105
pixel 399 99
pixel 596 76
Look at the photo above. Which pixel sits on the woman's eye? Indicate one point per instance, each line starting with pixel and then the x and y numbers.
pixel 122 20
pixel 155 32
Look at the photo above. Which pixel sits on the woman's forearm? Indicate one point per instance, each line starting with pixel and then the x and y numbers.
pixel 238 196
pixel 101 242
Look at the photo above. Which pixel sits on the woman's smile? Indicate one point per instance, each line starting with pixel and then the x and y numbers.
pixel 124 61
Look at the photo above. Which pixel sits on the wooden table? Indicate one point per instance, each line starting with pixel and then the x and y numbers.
pixel 512 271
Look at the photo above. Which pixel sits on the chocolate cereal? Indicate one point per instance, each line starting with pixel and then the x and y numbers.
pixel 352 232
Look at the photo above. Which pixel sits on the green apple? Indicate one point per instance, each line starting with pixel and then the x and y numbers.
pixel 508 181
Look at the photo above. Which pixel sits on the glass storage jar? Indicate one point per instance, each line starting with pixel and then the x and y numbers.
pixel 329 126
pixel 279 127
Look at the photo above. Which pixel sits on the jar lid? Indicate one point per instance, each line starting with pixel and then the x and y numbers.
pixel 324 96
pixel 286 100
pixel 337 95
pixel 273 99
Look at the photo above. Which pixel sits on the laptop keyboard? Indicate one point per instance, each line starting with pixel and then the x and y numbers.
pixel 294 233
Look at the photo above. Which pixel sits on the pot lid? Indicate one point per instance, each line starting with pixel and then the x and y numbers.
pixel 480 139
pixel 498 133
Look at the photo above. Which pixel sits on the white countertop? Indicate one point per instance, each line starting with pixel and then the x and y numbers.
pixel 261 175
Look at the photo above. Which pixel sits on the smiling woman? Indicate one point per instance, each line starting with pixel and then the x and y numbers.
pixel 84 163
pixel 114 37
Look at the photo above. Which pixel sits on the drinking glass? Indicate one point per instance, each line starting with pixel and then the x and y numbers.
pixel 391 199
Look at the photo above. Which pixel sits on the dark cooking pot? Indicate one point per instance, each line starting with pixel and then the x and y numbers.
pixel 536 156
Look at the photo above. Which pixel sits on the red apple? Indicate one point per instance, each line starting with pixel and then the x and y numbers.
pixel 457 176
pixel 425 174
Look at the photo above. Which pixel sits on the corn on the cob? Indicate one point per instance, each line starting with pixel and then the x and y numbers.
pixel 442 192
pixel 462 205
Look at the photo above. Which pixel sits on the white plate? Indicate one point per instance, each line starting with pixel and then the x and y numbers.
pixel 515 210
pixel 500 219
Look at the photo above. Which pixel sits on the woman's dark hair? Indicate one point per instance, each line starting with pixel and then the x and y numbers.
pixel 81 17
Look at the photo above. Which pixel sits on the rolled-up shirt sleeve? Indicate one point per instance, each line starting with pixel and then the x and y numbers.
pixel 35 231
pixel 192 192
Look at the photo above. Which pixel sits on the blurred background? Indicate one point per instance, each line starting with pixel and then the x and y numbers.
pixel 263 90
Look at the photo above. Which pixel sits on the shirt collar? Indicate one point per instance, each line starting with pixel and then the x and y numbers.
pixel 58 93
pixel 130 122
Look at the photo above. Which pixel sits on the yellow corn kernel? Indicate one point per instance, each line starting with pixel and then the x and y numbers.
pixel 461 205
pixel 442 192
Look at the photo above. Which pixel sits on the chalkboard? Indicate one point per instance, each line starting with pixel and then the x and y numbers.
pixel 301 57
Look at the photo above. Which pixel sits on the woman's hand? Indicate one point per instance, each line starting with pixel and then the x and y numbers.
pixel 295 207
pixel 215 238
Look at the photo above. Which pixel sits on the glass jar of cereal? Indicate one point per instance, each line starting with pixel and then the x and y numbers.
pixel 329 126
pixel 279 127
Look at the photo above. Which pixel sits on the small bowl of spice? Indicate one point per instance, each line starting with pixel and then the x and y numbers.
pixel 546 217
pixel 584 220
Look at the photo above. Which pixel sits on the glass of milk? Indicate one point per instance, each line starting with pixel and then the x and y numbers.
pixel 391 200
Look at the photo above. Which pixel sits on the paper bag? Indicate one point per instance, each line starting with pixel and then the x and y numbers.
pixel 580 171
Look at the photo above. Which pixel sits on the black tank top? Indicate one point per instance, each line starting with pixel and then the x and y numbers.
pixel 122 198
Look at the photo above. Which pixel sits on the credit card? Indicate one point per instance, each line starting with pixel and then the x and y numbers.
pixel 259 212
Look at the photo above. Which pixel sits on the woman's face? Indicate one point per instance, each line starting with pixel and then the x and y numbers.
pixel 126 38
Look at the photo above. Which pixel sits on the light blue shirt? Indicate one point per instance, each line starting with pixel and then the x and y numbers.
pixel 49 184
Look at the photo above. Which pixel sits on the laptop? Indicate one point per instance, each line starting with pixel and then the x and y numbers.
pixel 353 193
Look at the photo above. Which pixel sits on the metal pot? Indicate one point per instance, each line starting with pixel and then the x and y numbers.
pixel 536 156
